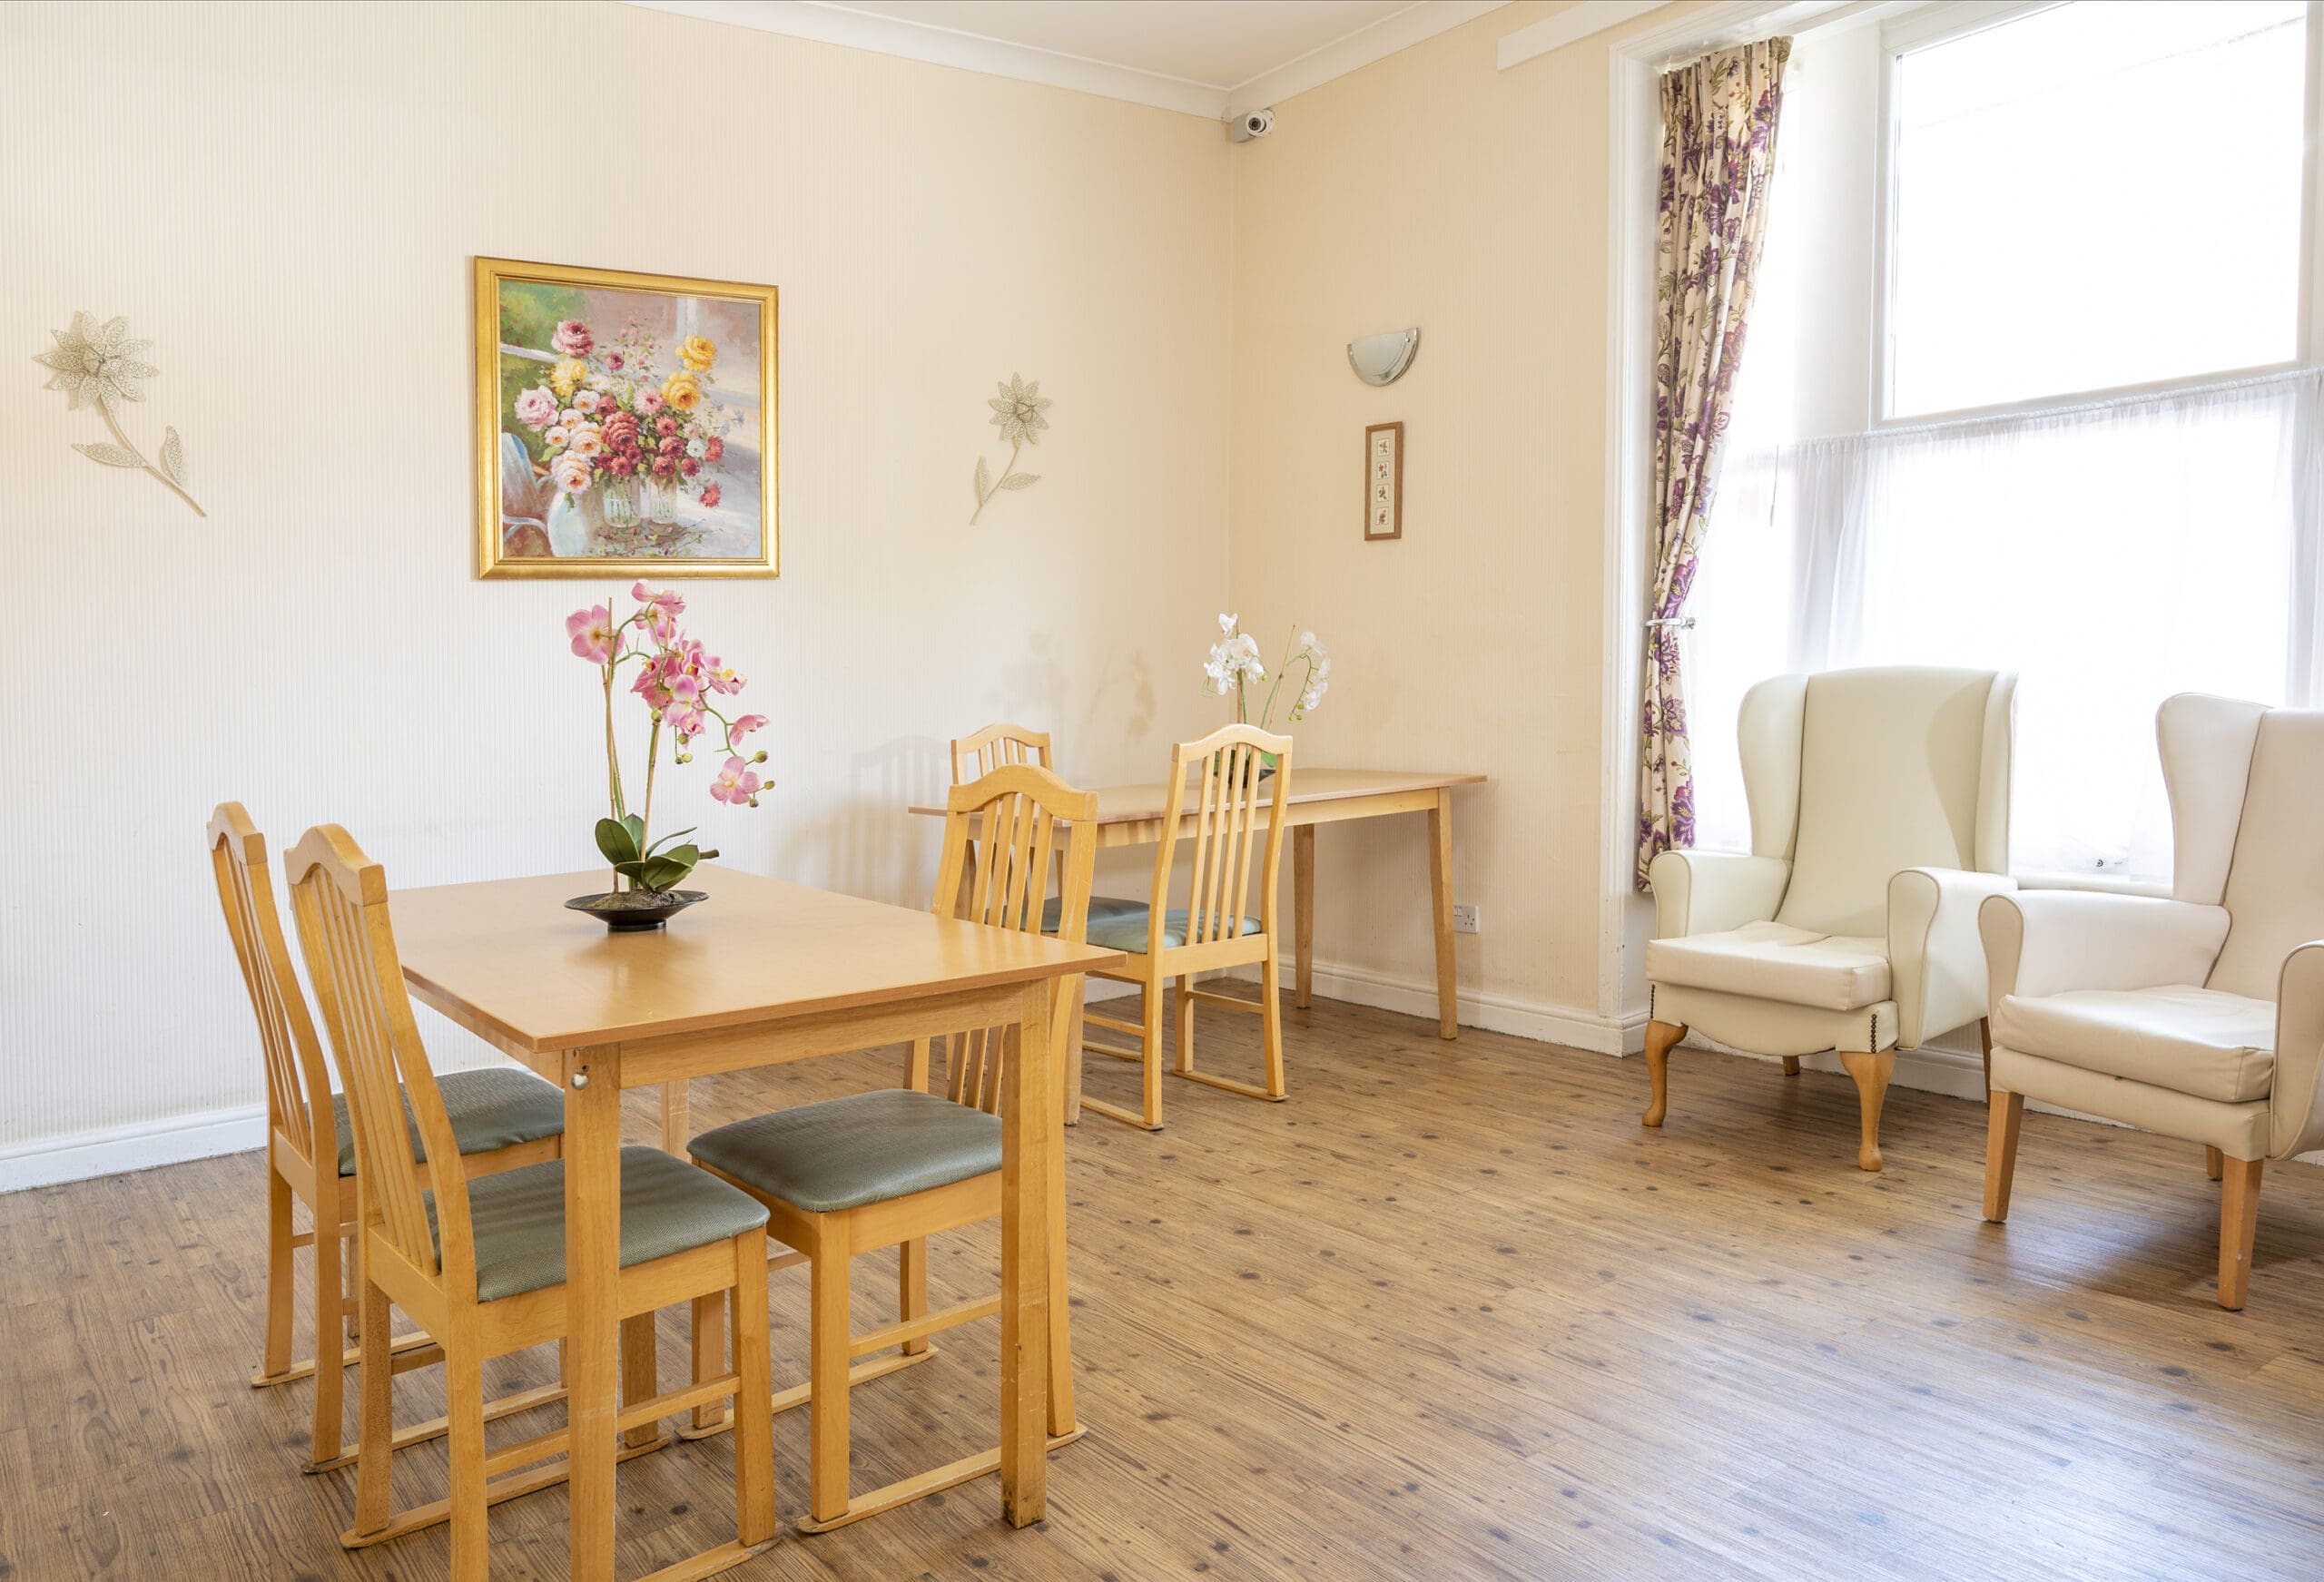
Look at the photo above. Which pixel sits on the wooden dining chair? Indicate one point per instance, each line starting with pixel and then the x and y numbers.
pixel 501 1119
pixel 480 1263
pixel 1221 771
pixel 895 1167
pixel 997 747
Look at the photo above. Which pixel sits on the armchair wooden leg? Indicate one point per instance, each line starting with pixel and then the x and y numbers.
pixel 2008 1111
pixel 2239 1222
pixel 1659 1037
pixel 1791 1065
pixel 1871 1070
pixel 1985 1045
pixel 2214 1162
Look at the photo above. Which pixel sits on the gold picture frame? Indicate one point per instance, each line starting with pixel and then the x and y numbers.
pixel 640 411
pixel 1384 481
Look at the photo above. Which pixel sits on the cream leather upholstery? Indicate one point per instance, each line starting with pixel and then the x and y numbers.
pixel 2202 1015
pixel 1879 821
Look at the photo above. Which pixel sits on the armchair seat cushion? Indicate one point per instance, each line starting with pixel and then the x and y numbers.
pixel 843 1153
pixel 497 1107
pixel 1832 972
pixel 2203 1042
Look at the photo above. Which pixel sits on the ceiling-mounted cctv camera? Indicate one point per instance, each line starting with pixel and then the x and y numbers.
pixel 1251 124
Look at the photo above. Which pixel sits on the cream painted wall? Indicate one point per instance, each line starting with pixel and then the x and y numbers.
pixel 1432 189
pixel 287 199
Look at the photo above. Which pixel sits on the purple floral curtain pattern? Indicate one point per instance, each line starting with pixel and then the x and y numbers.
pixel 1718 151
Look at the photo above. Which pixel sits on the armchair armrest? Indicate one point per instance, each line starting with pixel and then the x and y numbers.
pixel 1709 892
pixel 2047 941
pixel 1936 963
pixel 2296 1103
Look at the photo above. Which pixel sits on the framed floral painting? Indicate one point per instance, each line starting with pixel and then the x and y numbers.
pixel 625 423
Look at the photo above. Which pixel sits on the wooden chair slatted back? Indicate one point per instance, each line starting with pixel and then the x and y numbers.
pixel 1006 824
pixel 297 1089
pixel 1221 771
pixel 997 747
pixel 339 898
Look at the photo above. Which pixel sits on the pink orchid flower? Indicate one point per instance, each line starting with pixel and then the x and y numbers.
pixel 743 727
pixel 684 719
pixel 736 782
pixel 592 631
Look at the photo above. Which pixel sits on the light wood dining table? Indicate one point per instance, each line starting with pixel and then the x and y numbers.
pixel 1132 815
pixel 762 973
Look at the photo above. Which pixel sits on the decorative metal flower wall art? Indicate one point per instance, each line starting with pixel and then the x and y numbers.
pixel 99 364
pixel 1017 413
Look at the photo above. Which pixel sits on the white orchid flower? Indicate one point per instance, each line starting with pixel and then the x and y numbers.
pixel 1227 622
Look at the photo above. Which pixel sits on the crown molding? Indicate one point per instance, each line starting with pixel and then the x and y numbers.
pixel 826 22
pixel 1568 27
pixel 1398 31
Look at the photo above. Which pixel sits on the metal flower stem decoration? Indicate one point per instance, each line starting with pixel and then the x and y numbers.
pixel 100 364
pixel 1017 413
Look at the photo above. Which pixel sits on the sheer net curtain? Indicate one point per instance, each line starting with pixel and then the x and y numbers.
pixel 2111 555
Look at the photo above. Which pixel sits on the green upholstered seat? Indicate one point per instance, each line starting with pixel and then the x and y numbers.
pixel 843 1153
pixel 1120 925
pixel 495 1108
pixel 518 1218
pixel 1103 908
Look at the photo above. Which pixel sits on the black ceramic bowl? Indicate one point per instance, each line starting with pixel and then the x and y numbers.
pixel 629 912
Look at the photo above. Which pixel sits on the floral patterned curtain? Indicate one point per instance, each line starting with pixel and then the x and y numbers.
pixel 1719 151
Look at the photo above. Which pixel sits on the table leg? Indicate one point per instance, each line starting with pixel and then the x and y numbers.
pixel 1028 1158
pixel 677 1121
pixel 592 1252
pixel 1303 912
pixel 1440 884
pixel 709 1315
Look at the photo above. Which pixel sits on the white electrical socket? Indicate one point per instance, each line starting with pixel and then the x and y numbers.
pixel 1464 917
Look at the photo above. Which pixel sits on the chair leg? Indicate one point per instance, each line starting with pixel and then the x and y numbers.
pixel 1271 1019
pixel 1185 1023
pixel 329 1316
pixel 1791 1065
pixel 1150 1047
pixel 374 1416
pixel 640 1374
pixel 350 1302
pixel 706 1350
pixel 281 1286
pixel 464 1414
pixel 1659 1037
pixel 2214 1163
pixel 755 1513
pixel 1871 1070
pixel 2007 1114
pixel 911 1275
pixel 2239 1223
pixel 1985 1045
pixel 827 1371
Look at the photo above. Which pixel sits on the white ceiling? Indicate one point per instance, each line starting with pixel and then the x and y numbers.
pixel 1205 57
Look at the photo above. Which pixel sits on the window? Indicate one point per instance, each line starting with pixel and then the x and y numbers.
pixel 2080 438
pixel 2093 196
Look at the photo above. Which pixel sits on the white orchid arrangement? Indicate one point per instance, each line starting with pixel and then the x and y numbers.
pixel 1235 667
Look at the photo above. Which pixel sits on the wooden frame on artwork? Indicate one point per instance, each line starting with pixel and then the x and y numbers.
pixel 1384 481
pixel 625 424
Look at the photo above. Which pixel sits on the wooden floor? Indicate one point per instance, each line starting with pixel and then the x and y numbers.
pixel 1449 1312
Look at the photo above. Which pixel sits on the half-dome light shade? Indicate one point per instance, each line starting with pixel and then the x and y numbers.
pixel 1381 359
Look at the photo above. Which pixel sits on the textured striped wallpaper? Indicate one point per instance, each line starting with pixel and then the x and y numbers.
pixel 286 198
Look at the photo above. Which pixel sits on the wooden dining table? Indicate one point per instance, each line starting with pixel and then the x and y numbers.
pixel 1133 815
pixel 761 973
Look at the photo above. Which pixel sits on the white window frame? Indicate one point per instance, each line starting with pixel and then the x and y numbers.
pixel 1942 23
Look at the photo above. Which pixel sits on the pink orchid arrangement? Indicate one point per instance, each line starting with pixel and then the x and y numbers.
pixel 683 685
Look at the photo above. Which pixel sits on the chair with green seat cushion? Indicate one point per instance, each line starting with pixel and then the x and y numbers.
pixel 481 1259
pixel 1121 925
pixel 844 1152
pixel 667 1206
pixel 498 1107
pixel 892 1168
pixel 1221 802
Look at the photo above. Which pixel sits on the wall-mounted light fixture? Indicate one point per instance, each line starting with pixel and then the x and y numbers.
pixel 1381 359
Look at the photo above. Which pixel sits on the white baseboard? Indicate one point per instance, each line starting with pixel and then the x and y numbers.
pixel 114 1150
pixel 1496 1013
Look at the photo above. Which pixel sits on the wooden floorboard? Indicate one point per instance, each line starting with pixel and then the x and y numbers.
pixel 1449 1312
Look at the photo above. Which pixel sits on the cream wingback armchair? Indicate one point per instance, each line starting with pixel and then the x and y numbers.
pixel 1880 821
pixel 2202 1016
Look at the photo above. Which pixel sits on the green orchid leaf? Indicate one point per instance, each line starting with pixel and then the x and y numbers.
pixel 637 828
pixel 614 840
pixel 665 839
pixel 631 871
pixel 662 872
